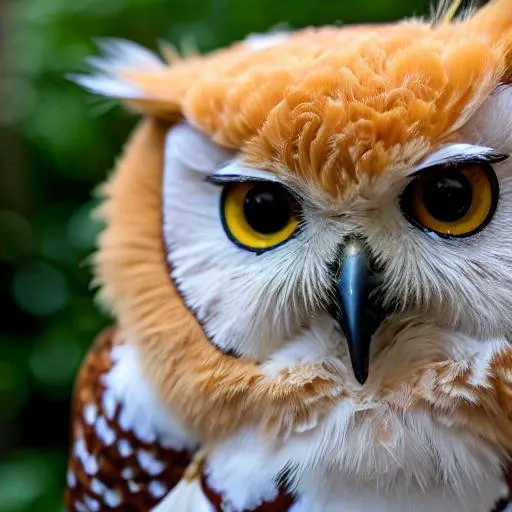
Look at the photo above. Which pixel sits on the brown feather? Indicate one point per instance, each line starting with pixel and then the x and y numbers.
pixel 101 480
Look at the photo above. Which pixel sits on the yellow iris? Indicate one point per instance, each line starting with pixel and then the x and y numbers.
pixel 454 203
pixel 258 215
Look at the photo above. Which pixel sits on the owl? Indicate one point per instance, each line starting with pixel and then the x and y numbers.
pixel 308 257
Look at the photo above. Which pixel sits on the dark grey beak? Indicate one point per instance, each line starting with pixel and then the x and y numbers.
pixel 356 309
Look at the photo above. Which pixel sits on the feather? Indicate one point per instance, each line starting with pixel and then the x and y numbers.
pixel 447 11
pixel 187 496
pixel 118 55
pixel 452 11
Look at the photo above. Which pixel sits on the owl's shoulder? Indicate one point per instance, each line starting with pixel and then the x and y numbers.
pixel 127 451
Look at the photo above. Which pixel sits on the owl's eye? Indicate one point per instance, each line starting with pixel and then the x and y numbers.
pixel 258 215
pixel 455 201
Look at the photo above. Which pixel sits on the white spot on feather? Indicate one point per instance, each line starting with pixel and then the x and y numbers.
pixel 157 489
pixel 89 462
pixel 90 413
pixel 104 432
pixel 128 473
pixel 71 478
pixel 80 507
pixel 148 462
pixel 125 448
pixel 97 487
pixel 91 504
pixel 134 487
pixel 109 404
pixel 91 465
pixel 112 498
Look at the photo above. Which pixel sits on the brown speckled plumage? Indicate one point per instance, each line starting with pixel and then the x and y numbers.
pixel 113 478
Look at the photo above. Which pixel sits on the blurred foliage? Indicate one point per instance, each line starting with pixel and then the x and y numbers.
pixel 57 143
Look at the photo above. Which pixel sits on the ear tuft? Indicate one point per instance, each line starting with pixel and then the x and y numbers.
pixel 118 56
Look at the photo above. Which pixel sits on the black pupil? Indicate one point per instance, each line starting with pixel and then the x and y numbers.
pixel 267 208
pixel 448 196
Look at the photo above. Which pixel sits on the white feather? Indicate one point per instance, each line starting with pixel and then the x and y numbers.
pixel 105 85
pixel 118 55
pixel 187 496
pixel 194 149
pixel 453 153
pixel 121 53
pixel 258 42
pixel 142 412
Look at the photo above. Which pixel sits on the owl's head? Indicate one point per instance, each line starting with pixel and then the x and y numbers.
pixel 341 195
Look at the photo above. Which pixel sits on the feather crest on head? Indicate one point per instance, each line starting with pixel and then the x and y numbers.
pixel 329 105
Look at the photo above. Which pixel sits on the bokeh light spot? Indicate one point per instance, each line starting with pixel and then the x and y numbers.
pixel 83 228
pixel 54 361
pixel 22 482
pixel 39 289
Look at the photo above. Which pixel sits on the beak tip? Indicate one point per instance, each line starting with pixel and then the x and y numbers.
pixel 361 376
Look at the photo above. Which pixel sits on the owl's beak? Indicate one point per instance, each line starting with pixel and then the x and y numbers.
pixel 354 307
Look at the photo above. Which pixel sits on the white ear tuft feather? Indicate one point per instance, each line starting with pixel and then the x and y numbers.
pixel 118 55
pixel 127 54
pixel 106 85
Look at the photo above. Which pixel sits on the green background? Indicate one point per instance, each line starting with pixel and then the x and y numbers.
pixel 56 144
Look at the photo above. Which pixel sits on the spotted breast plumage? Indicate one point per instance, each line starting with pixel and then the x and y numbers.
pixel 308 256
pixel 115 465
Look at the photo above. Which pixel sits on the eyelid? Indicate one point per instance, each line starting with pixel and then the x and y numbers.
pixel 226 179
pixel 235 172
pixel 221 179
pixel 456 154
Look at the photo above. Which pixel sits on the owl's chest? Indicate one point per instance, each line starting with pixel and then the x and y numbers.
pixel 354 462
pixel 129 453
pixel 199 495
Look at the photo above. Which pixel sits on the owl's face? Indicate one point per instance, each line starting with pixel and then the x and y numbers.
pixel 372 197
pixel 262 258
pixel 335 199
